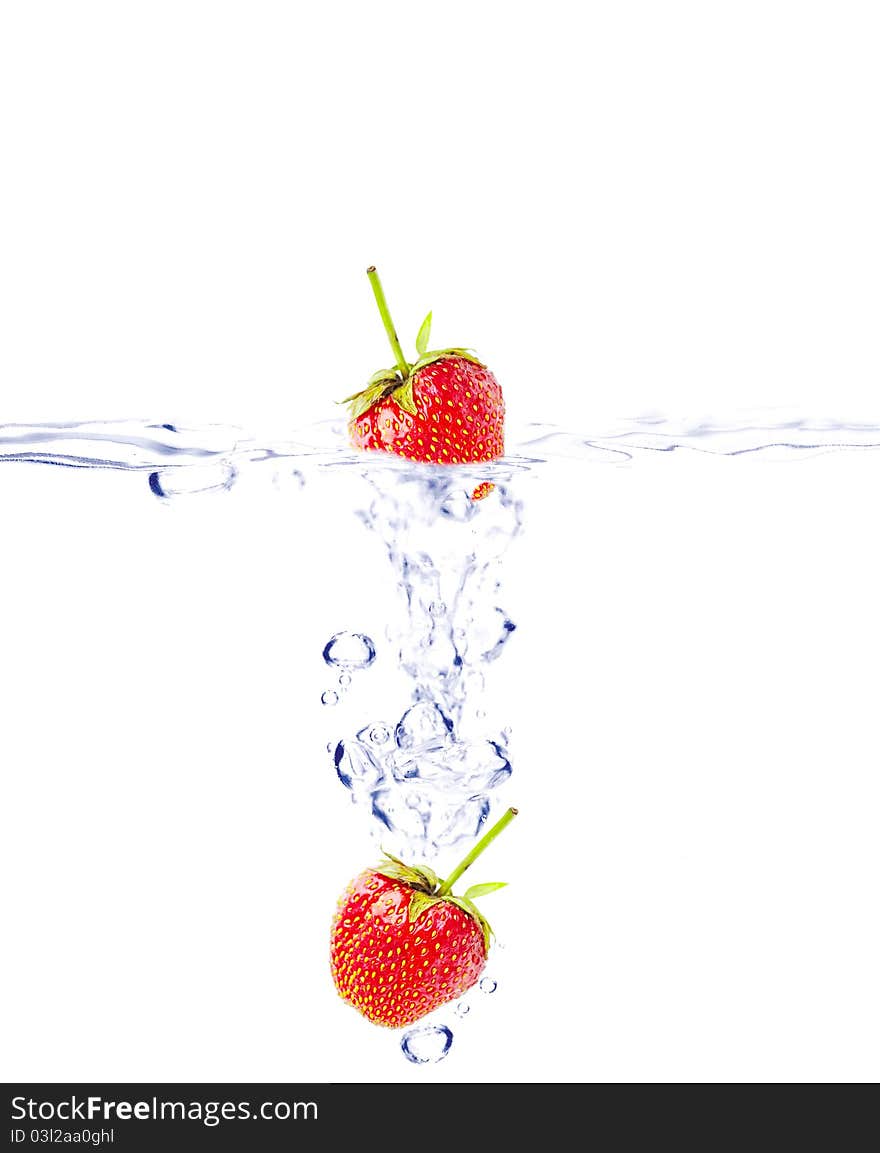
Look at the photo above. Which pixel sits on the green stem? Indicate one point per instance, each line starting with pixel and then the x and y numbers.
pixel 387 321
pixel 478 848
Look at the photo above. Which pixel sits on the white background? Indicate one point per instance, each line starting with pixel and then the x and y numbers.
pixel 621 207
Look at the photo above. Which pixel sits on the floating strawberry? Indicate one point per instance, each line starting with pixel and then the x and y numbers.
pixel 446 408
pixel 402 944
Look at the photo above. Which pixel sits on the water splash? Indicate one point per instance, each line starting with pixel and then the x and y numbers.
pixel 428 779
pixel 164 450
pixel 426 1043
pixel 426 768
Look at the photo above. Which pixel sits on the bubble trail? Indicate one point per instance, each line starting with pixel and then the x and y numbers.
pixel 429 779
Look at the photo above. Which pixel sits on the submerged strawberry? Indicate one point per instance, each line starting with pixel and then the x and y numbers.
pixel 446 408
pixel 402 944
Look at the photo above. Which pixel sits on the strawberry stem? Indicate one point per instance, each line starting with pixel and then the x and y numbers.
pixel 478 848
pixel 387 321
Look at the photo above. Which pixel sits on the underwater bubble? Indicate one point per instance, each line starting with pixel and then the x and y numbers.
pixel 482 764
pixel 375 734
pixel 189 480
pixel 437 608
pixel 461 768
pixel 328 697
pixel 458 506
pixel 487 985
pixel 405 815
pixel 426 765
pixel 462 1009
pixel 355 765
pixel 458 822
pixel 423 726
pixel 350 651
pixel 344 680
pixel 430 657
pixel 426 1043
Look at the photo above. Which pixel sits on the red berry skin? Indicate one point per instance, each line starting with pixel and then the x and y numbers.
pixel 391 969
pixel 460 417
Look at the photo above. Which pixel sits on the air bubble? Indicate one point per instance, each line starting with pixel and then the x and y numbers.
pixel 426 1043
pixel 424 726
pixel 487 985
pixel 328 697
pixel 350 651
pixel 462 1009
pixel 344 680
pixel 190 480
pixel 355 766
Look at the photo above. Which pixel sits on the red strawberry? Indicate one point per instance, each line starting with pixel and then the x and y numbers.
pixel 447 408
pixel 402 945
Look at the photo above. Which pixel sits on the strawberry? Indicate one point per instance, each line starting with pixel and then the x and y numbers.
pixel 446 408
pixel 402 944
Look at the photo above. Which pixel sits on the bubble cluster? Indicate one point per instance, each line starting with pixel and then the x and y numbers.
pixel 428 778
pixel 349 653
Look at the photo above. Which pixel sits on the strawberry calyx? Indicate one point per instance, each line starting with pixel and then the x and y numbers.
pixel 425 885
pixel 428 889
pixel 397 381
pixel 388 382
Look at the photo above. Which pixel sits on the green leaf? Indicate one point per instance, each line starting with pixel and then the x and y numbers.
pixel 381 383
pixel 473 911
pixel 424 335
pixel 430 357
pixel 468 906
pixel 432 881
pixel 387 377
pixel 404 397
pixel 364 400
pixel 481 890
pixel 384 374
pixel 419 902
pixel 418 877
